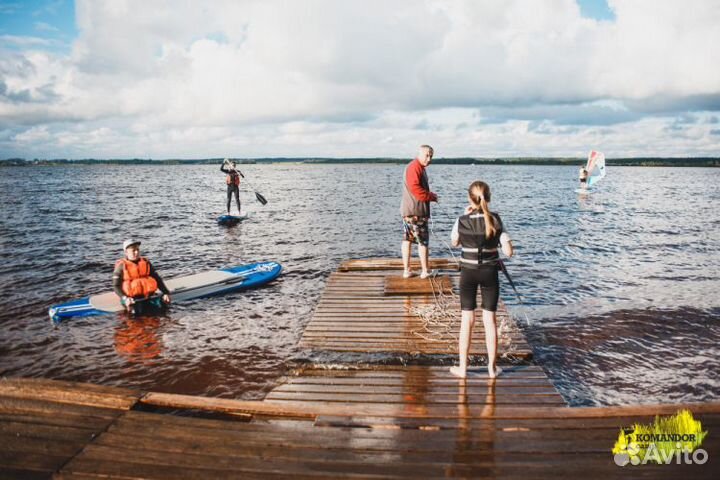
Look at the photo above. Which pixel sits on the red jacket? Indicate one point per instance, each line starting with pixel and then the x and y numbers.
pixel 414 180
pixel 416 196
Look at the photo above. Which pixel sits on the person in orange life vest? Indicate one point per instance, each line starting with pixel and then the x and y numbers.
pixel 135 278
pixel 415 210
pixel 232 179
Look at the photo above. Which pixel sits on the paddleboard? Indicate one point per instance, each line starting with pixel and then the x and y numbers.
pixel 231 219
pixel 182 289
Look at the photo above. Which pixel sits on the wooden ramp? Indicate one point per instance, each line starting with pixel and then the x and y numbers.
pixel 357 313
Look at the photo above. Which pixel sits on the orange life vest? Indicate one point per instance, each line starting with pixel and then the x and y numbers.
pixel 137 281
pixel 230 179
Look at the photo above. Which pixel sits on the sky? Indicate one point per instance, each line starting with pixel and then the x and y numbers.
pixel 368 78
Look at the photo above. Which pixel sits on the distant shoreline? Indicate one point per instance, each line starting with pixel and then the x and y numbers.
pixel 629 162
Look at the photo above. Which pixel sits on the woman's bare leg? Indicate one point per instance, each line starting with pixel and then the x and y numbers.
pixel 491 342
pixel 466 328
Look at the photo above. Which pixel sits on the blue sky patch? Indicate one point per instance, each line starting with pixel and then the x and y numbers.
pixel 49 23
pixel 596 9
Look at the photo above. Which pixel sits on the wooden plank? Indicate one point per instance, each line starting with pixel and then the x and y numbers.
pixel 24 406
pixel 188 402
pixel 439 371
pixel 299 409
pixel 21 474
pixel 414 399
pixel 511 425
pixel 65 419
pixel 447 389
pixel 29 461
pixel 54 432
pixel 412 383
pixel 58 446
pixel 68 392
pixel 395 264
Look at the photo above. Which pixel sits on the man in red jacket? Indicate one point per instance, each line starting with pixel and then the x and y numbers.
pixel 415 210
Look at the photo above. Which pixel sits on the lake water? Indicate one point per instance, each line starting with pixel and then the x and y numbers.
pixel 619 286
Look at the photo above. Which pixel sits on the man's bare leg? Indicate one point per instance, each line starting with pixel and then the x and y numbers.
pixel 423 254
pixel 405 248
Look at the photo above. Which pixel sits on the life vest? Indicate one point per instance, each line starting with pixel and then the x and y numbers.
pixel 476 249
pixel 137 281
pixel 232 178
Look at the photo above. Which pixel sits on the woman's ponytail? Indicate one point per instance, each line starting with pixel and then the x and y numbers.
pixel 479 193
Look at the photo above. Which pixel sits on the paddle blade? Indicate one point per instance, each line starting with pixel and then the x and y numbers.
pixel 260 198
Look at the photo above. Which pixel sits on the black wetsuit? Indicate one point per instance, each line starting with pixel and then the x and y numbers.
pixel 232 188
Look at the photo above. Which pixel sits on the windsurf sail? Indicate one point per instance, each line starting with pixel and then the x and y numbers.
pixel 595 167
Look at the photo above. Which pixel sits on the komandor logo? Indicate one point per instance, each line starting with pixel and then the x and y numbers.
pixel 666 439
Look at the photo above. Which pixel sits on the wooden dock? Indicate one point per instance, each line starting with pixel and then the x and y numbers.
pixel 363 309
pixel 333 421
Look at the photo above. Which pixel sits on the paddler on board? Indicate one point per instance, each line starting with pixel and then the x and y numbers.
pixel 232 179
pixel 135 279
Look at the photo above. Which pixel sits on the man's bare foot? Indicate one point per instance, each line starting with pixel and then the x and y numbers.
pixel 458 372
pixel 494 374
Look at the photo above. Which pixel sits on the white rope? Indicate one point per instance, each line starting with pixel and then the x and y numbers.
pixel 440 320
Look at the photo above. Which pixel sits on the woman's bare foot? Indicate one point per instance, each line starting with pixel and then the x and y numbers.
pixel 495 373
pixel 458 372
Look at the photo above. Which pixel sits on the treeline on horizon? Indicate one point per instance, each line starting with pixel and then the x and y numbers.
pixel 639 161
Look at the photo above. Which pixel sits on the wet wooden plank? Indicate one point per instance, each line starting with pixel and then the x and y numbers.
pixel 30 461
pixel 397 285
pixel 24 406
pixel 394 264
pixel 407 398
pixel 68 392
pixel 399 389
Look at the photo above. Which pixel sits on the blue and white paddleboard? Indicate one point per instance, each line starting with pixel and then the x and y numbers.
pixel 231 219
pixel 205 284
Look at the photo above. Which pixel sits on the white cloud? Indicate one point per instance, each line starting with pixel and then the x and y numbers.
pixel 368 78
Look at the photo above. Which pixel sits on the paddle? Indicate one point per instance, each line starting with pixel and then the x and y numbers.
pixel 512 284
pixel 258 196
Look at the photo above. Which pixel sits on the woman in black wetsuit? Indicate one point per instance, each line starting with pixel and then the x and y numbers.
pixel 479 232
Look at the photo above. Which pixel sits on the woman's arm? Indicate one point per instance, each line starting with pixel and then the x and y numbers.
pixel 454 235
pixel 506 244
